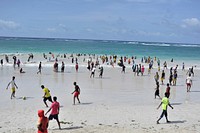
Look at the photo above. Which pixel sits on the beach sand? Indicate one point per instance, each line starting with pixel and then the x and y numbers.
pixel 116 103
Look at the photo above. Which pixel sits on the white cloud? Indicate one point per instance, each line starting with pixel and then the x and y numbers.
pixel 51 29
pixel 190 22
pixel 8 25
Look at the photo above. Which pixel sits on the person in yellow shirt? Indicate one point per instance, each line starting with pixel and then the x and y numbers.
pixel 47 95
pixel 164 103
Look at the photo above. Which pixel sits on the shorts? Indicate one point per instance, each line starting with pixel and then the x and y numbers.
pixel 76 94
pixel 47 98
pixel 188 84
pixel 13 89
pixel 164 113
pixel 51 117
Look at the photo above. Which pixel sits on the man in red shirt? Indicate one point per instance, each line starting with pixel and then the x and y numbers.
pixel 55 108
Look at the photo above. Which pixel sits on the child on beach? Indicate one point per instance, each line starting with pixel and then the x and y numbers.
pixel 188 83
pixel 157 90
pixel 76 67
pixel 156 77
pixel 101 72
pixel 92 72
pixel 168 90
pixel 55 108
pixel 63 67
pixel 162 76
pixel 165 65
pixel 76 92
pixel 142 70
pixel 13 85
pixel 39 68
pixel 47 95
pixel 175 78
pixel 170 79
pixel 43 122
pixel 164 103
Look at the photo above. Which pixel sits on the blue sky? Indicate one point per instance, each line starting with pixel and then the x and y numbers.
pixel 135 20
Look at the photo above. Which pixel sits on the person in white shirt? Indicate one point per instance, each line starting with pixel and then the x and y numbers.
pixel 93 71
pixel 188 82
pixel 13 85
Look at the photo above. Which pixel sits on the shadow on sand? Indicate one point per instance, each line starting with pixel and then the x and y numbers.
pixel 175 103
pixel 85 103
pixel 175 122
pixel 69 128
pixel 194 91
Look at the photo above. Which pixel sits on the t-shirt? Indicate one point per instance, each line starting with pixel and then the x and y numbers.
pixel 165 102
pixel 188 80
pixel 168 90
pixel 46 91
pixel 12 84
pixel 54 107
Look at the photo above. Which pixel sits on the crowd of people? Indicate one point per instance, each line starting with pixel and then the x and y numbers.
pixel 92 66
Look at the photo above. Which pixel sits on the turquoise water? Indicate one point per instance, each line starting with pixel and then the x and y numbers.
pixel 128 48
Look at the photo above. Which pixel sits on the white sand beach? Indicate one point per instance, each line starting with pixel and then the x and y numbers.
pixel 117 103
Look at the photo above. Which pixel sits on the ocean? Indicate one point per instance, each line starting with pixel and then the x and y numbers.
pixel 188 52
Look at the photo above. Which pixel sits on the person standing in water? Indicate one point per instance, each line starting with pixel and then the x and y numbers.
pixel 13 85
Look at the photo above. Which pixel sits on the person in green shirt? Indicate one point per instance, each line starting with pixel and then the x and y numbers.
pixel 47 95
pixel 164 103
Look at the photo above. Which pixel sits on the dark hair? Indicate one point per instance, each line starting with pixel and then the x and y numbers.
pixel 74 83
pixel 55 98
pixel 42 86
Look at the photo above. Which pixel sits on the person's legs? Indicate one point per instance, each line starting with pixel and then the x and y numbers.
pixel 74 100
pixel 166 116
pixel 44 100
pixel 161 116
pixel 50 99
pixel 78 99
pixel 56 117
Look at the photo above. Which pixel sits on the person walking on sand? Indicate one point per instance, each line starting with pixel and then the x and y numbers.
pixel 76 66
pixel 188 82
pixel 162 77
pixel 164 103
pixel 13 85
pixel 40 68
pixel 157 93
pixel 156 77
pixel 47 95
pixel 76 92
pixel 92 72
pixel 43 122
pixel 101 72
pixel 55 108
pixel 168 90
pixel 63 67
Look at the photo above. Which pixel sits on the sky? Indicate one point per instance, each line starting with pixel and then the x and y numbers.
pixel 175 21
